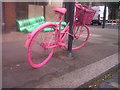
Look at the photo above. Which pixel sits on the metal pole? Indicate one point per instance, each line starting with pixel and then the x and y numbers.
pixel 104 16
pixel 70 16
pixel 44 9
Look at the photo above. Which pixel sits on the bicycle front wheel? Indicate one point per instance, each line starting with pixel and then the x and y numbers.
pixel 81 35
pixel 41 47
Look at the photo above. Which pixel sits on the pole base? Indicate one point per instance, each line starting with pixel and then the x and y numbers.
pixel 69 54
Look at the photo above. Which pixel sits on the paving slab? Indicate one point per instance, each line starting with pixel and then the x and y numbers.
pixel 17 72
pixel 79 76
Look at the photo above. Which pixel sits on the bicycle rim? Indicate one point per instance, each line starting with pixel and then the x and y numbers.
pixel 40 49
pixel 81 35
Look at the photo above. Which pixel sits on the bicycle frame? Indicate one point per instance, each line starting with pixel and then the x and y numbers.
pixel 59 37
pixel 53 39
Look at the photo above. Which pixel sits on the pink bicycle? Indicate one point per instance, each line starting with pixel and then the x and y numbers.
pixel 41 45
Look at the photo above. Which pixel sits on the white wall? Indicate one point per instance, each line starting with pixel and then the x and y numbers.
pixel 35 10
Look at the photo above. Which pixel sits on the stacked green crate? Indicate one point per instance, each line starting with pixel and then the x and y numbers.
pixel 50 29
pixel 35 22
pixel 28 25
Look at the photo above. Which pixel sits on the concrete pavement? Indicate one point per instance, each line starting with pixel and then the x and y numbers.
pixel 82 75
pixel 86 63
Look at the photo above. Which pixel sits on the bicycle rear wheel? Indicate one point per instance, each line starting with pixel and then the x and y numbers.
pixel 81 35
pixel 41 47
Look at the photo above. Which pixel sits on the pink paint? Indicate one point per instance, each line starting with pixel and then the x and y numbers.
pixel 58 37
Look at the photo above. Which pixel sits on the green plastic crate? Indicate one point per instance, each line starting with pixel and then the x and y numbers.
pixel 29 24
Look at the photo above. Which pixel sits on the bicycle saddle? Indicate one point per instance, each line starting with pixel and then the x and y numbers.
pixel 60 10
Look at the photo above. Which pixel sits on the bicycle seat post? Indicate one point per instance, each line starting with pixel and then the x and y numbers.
pixel 60 20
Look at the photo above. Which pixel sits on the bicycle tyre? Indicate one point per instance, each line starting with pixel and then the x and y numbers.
pixel 40 58
pixel 81 34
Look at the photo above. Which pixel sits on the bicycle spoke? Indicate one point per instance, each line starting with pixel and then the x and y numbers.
pixel 39 52
pixel 81 35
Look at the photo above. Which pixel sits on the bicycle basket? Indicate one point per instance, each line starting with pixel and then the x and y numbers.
pixel 84 14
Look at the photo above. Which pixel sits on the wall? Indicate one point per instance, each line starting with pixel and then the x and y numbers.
pixel 9 14
pixel 35 10
pixel 21 10
pixel 56 4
